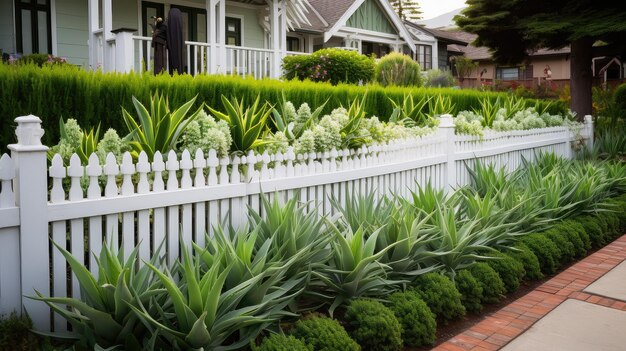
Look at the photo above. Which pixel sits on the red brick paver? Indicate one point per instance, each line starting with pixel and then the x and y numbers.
pixel 502 326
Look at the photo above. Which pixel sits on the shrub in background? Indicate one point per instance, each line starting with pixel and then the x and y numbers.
pixel 323 334
pixel 529 261
pixel 545 250
pixel 277 342
pixel 41 59
pixel 510 271
pixel 330 65
pixel 398 69
pixel 489 280
pixel 619 97
pixel 417 320
pixel 437 78
pixel 470 289
pixel 441 296
pixel 373 326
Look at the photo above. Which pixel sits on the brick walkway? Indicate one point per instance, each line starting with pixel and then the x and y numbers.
pixel 499 328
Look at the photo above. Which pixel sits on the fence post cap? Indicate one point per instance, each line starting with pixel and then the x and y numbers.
pixel 29 133
pixel 588 119
pixel 445 121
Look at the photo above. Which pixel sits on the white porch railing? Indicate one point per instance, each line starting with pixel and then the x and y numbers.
pixel 198 56
pixel 201 191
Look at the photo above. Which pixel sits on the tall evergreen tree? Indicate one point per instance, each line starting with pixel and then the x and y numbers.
pixel 514 28
pixel 407 9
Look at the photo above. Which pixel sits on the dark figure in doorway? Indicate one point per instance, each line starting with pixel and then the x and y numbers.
pixel 175 40
pixel 159 43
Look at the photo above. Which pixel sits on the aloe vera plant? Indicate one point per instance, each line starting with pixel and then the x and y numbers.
pixel 103 317
pixel 488 109
pixel 440 105
pixel 247 123
pixel 410 111
pixel 158 129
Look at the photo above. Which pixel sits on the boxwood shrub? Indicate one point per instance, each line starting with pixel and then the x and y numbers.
pixel 277 342
pixel 545 250
pixel 470 289
pixel 510 271
pixel 489 280
pixel 330 65
pixel 592 227
pixel 418 322
pixel 323 334
pixel 373 326
pixel 398 69
pixel 441 296
pixel 527 258
pixel 566 248
pixel 576 235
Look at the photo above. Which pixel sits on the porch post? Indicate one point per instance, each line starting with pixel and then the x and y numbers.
pixel 107 26
pixel 124 50
pixel 278 32
pixel 94 25
pixel 435 55
pixel 211 28
pixel 221 36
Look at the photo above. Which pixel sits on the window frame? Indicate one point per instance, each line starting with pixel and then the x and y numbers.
pixel 34 8
pixel 500 71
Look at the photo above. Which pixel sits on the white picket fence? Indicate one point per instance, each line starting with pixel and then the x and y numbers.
pixel 145 203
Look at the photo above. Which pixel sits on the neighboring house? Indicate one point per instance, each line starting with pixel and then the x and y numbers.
pixel 544 66
pixel 247 37
pixel 432 46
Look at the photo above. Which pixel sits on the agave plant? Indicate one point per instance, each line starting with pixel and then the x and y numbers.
pixel 440 105
pixel 512 104
pixel 488 109
pixel 410 111
pixel 350 132
pixel 247 124
pixel 158 129
pixel 103 317
pixel 354 269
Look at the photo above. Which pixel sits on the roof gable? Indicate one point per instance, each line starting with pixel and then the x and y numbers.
pixel 372 17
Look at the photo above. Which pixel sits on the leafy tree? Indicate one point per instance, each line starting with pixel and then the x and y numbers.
pixel 514 28
pixel 464 66
pixel 407 9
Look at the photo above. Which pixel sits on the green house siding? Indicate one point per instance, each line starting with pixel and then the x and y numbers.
pixel 7 32
pixel 125 14
pixel 371 17
pixel 72 31
pixel 252 31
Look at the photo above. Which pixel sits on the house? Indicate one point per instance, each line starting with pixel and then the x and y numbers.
pixel 542 67
pixel 246 37
pixel 432 46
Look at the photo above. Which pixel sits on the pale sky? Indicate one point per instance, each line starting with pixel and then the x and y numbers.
pixel 434 8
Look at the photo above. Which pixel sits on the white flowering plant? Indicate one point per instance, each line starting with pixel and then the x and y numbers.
pixel 205 133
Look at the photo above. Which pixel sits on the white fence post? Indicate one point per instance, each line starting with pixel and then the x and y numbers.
pixel 31 195
pixel 124 50
pixel 589 131
pixel 446 126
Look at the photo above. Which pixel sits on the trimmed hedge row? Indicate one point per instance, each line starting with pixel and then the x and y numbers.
pixel 63 91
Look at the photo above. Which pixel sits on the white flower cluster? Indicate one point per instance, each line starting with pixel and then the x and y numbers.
pixel 71 143
pixel 205 133
pixel 468 122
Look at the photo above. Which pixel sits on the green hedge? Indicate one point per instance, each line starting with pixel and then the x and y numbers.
pixel 65 91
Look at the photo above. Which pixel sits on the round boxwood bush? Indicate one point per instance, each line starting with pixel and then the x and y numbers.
pixel 566 248
pixel 398 69
pixel 510 271
pixel 470 289
pixel 593 229
pixel 277 342
pixel 439 78
pixel 441 296
pixel 373 326
pixel 582 233
pixel 612 221
pixel 527 258
pixel 418 322
pixel 489 280
pixel 330 65
pixel 323 334
pixel 571 230
pixel 545 250
pixel 618 204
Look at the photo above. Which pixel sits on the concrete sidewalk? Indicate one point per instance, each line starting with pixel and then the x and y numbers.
pixel 582 308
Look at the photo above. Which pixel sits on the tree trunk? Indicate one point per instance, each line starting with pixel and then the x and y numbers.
pixel 581 77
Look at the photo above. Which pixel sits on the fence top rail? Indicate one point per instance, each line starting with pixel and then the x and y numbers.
pixel 492 134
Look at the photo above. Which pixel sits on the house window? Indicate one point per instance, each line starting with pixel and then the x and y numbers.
pixel 32 26
pixel 425 56
pixel 233 31
pixel 508 73
pixel 293 44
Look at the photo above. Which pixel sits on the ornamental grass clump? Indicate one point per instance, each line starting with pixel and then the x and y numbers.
pixel 373 326
pixel 441 296
pixel 278 342
pixel 398 69
pixel 323 334
pixel 418 322
pixel 489 280
pixel 471 290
